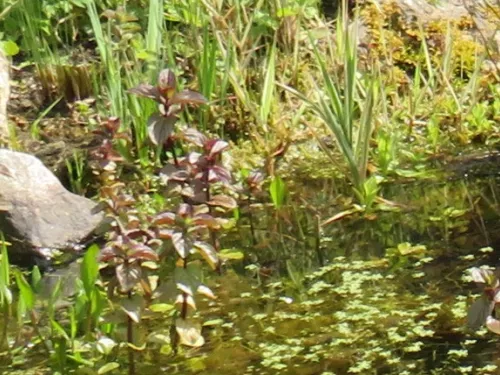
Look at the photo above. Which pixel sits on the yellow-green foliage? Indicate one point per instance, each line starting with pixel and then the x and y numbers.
pixel 397 38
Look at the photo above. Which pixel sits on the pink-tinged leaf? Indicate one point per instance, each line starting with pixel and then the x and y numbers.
pixel 180 176
pixel 138 233
pixel 480 275
pixel 181 245
pixel 133 307
pixel 478 312
pixel 219 174
pixel 217 147
pixel 255 179
pixel 143 252
pixel 146 90
pixel 160 128
pixel 188 97
pixel 164 218
pixel 224 201
pixel 206 220
pixel 208 253
pixel 109 253
pixel 195 137
pixel 206 291
pixel 189 332
pixel 165 234
pixel 128 276
pixel 185 210
pixel 167 81
pixel 493 325
pixel 193 158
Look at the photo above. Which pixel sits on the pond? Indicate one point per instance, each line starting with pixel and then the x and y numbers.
pixel 381 292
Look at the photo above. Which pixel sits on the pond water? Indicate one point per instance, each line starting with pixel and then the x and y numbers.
pixel 379 292
pixel 389 298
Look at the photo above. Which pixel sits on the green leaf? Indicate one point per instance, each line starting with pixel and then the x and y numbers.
pixel 25 291
pixel 277 189
pixel 110 366
pixel 89 269
pixel 36 277
pixel 161 307
pixel 231 254
pixel 10 48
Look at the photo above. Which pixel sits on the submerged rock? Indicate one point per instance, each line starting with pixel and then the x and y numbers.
pixel 37 214
pixel 4 94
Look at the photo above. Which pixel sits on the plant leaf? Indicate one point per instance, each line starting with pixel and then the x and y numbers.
pixel 188 97
pixel 189 332
pixel 133 307
pixel 182 246
pixel 278 191
pixel 164 218
pixel 223 200
pixel 160 127
pixel 128 276
pixel 108 367
pixel 208 252
pixel 146 90
pixel 89 269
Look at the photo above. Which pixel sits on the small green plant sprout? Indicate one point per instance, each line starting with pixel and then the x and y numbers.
pixel 483 309
pixel 170 103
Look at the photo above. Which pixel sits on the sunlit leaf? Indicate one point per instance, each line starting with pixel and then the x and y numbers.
pixel 206 220
pixel 189 332
pixel 164 218
pixel 195 137
pixel 206 291
pixel 482 276
pixel 146 90
pixel 133 307
pixel 185 299
pixel 143 252
pixel 89 269
pixel 160 127
pixel 188 97
pixel 219 174
pixel 224 201
pixel 181 245
pixel 128 276
pixel 161 307
pixel 230 254
pixel 9 47
pixel 493 325
pixel 105 345
pixel 108 367
pixel 217 147
pixel 167 81
pixel 208 252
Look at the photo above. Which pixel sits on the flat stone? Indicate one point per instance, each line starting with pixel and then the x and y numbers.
pixel 37 214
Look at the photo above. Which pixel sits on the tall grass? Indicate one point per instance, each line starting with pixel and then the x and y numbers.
pixel 338 98
pixel 122 69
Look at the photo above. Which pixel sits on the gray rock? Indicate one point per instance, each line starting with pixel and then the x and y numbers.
pixel 4 94
pixel 485 29
pixel 37 214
